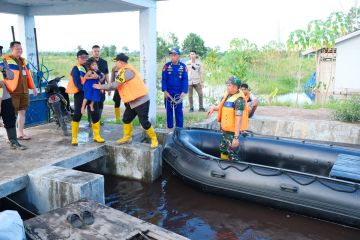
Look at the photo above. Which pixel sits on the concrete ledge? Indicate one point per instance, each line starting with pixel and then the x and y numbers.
pixel 83 158
pixel 53 187
pixel 134 161
pixel 10 186
pixel 319 130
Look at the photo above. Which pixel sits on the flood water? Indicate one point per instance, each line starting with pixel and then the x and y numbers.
pixel 181 208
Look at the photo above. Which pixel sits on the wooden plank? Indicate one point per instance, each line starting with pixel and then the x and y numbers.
pixel 346 167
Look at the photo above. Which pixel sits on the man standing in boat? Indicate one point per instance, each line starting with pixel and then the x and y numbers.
pixel 233 118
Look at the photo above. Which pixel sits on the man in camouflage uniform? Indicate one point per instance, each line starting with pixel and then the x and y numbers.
pixel 233 118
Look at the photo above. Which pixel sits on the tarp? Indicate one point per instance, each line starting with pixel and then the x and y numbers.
pixel 11 226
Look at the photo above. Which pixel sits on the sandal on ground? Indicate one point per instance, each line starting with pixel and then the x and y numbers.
pixel 23 137
pixel 74 220
pixel 87 217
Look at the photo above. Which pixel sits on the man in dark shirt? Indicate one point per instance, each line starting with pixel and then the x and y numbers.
pixel 103 67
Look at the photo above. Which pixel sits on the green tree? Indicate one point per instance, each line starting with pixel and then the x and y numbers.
pixel 194 42
pixel 78 48
pixel 112 51
pixel 173 40
pixel 125 49
pixel 353 19
pixel 105 51
pixel 162 49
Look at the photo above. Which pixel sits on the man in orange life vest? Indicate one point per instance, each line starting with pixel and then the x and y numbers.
pixel 75 86
pixel 233 118
pixel 19 87
pixel 134 93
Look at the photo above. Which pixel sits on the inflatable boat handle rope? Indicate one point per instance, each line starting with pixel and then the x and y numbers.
pixel 354 187
pixel 174 101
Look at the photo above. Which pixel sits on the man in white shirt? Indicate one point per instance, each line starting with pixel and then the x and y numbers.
pixel 195 73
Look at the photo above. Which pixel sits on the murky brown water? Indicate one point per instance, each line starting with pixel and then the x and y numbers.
pixel 179 207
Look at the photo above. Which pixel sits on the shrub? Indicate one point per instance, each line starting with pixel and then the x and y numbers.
pixel 348 110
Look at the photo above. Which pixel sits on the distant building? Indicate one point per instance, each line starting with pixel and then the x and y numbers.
pixel 338 68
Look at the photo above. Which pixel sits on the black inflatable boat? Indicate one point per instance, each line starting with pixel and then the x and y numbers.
pixel 317 180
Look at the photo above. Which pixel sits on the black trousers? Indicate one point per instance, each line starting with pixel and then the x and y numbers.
pixel 78 100
pixel 8 113
pixel 141 111
pixel 102 100
pixel 117 99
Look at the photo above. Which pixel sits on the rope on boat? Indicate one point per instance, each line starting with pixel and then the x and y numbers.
pixel 354 187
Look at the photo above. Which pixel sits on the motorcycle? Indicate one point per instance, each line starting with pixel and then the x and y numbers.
pixel 59 103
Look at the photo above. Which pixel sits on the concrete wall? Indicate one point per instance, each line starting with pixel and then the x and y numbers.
pixel 329 131
pixel 134 161
pixel 348 64
pixel 54 187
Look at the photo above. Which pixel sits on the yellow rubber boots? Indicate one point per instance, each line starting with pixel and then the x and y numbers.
pixel 117 115
pixel 74 133
pixel 127 138
pixel 151 133
pixel 224 156
pixel 96 132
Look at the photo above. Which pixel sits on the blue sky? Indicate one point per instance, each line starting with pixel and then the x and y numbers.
pixel 217 22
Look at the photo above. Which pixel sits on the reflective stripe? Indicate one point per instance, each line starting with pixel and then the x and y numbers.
pixel 229 104
pixel 11 85
pixel 134 89
pixel 71 87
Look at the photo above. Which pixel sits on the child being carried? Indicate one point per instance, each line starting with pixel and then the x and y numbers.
pixel 92 76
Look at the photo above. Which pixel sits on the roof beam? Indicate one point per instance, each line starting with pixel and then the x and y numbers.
pixel 139 3
pixel 12 8
pixel 80 8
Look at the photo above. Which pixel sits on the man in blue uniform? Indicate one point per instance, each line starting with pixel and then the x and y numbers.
pixel 175 86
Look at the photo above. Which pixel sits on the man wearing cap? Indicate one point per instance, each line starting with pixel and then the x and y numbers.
pixel 233 118
pixel 20 85
pixel 196 81
pixel 134 94
pixel 7 111
pixel 75 86
pixel 175 86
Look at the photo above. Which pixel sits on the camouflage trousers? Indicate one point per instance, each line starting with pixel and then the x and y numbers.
pixel 225 146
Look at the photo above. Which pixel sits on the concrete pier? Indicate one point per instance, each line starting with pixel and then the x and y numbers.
pixel 54 187
pixel 109 224
pixel 48 147
pixel 134 161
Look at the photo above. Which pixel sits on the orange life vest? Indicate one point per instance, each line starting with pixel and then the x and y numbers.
pixel 71 87
pixel 226 114
pixel 132 89
pixel 11 85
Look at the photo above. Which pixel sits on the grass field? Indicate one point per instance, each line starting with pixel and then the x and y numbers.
pixel 265 73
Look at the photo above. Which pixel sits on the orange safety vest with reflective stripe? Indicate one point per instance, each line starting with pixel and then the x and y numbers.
pixel 71 87
pixel 132 89
pixel 226 114
pixel 11 85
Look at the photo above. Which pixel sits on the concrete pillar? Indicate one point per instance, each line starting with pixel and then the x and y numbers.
pixel 27 37
pixel 134 161
pixel 148 55
pixel 53 187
